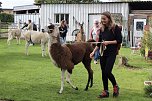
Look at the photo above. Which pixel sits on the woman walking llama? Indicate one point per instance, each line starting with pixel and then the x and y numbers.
pixel 110 37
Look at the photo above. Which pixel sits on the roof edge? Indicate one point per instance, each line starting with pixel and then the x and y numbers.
pixel 97 2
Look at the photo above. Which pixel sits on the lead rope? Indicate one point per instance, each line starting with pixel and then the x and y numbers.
pixel 102 47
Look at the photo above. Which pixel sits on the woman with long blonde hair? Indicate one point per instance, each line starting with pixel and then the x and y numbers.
pixel 110 36
pixel 63 31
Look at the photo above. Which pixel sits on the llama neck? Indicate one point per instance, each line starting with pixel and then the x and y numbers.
pixel 54 49
pixel 81 30
pixel 19 25
pixel 53 40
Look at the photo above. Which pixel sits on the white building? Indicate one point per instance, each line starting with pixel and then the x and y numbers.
pixel 86 13
pixel 27 12
pixel 131 15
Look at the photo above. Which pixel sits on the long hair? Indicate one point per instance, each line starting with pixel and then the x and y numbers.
pixel 111 23
pixel 62 23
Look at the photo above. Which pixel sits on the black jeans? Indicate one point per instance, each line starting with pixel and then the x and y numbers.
pixel 107 63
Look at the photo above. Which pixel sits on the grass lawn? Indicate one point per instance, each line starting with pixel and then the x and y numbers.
pixel 34 78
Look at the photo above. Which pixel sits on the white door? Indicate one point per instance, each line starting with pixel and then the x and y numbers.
pixel 138 30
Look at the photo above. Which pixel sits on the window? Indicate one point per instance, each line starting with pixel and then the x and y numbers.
pixel 139 26
pixel 33 11
pixel 60 17
pixel 21 12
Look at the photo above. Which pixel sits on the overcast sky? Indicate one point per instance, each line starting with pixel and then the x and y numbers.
pixel 12 3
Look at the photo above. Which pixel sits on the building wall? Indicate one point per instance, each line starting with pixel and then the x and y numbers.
pixel 24 17
pixel 80 13
pixel 140 16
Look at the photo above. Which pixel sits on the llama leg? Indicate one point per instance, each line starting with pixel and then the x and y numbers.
pixel 8 41
pixel 10 37
pixel 43 49
pixel 62 81
pixel 69 81
pixel 90 73
pixel 26 47
pixel 17 40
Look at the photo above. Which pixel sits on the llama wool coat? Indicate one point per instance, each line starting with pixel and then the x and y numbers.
pixel 69 55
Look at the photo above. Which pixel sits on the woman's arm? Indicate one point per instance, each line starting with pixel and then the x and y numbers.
pixel 93 52
pixel 118 35
pixel 109 42
pixel 91 37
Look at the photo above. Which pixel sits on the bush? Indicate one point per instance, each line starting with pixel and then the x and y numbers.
pixel 142 51
pixel 148 89
pixel 6 17
pixel 146 41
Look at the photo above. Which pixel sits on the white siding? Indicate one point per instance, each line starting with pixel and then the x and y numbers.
pixel 80 12
pixel 26 17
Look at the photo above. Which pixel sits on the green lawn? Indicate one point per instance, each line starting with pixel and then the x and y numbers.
pixel 34 78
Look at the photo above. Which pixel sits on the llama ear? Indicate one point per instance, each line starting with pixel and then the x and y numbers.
pixel 79 24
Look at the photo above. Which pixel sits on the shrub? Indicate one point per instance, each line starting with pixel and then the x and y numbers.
pixel 6 17
pixel 146 40
pixel 148 88
pixel 142 51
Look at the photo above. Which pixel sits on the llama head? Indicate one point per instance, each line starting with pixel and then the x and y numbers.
pixel 81 25
pixel 54 33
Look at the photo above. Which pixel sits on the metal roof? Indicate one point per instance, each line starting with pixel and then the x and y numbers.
pixel 25 7
pixel 100 2
pixel 134 5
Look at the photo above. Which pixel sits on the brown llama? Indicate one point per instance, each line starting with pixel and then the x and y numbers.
pixel 67 55
pixel 80 37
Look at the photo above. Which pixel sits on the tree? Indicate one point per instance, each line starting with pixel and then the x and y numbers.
pixel 65 1
pixel 0 7
pixel 127 0
pixel 146 41
pixel 6 17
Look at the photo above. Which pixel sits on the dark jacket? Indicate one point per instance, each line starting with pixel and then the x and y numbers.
pixel 109 35
pixel 63 31
pixel 24 26
pixel 34 27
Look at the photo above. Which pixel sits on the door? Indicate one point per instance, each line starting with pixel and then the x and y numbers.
pixel 138 30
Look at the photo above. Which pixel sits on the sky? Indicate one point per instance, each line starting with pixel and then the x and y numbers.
pixel 11 3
